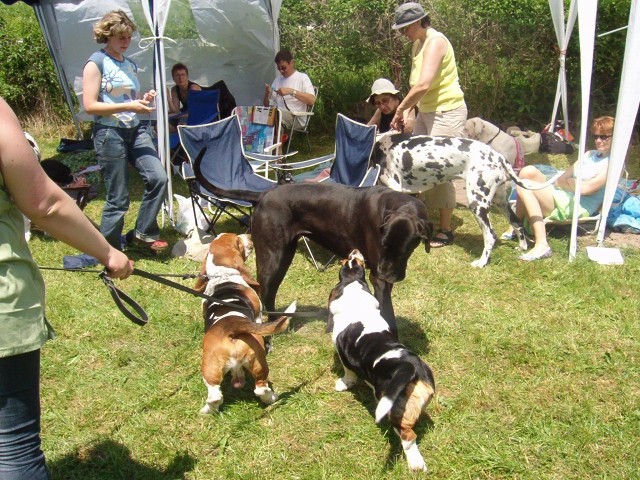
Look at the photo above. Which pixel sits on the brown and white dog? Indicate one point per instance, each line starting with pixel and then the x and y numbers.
pixel 401 381
pixel 233 339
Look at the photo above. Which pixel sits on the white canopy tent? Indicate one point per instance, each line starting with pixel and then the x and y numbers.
pixel 628 98
pixel 230 40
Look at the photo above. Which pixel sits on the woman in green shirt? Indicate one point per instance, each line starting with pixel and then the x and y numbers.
pixel 25 188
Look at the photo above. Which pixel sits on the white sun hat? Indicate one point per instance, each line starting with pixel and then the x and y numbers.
pixel 380 86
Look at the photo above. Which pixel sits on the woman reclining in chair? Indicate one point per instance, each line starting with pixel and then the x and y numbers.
pixel 538 204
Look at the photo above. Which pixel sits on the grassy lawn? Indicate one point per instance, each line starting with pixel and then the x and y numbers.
pixel 537 370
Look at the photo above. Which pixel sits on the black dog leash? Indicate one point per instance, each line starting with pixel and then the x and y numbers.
pixel 138 315
pixel 169 283
pixel 495 136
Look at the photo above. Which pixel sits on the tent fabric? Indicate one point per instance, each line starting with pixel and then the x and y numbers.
pixel 230 40
pixel 626 111
pixel 628 99
pixel 587 24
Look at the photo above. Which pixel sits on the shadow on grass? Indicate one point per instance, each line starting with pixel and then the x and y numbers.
pixel 108 460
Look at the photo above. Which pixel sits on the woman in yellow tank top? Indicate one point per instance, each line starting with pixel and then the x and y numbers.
pixel 436 91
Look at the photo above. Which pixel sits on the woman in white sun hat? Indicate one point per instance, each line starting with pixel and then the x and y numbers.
pixel 436 92
pixel 386 98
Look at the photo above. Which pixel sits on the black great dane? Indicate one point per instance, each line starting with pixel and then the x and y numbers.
pixel 385 225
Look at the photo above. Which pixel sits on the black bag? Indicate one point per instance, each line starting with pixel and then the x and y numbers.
pixel 551 142
pixel 57 171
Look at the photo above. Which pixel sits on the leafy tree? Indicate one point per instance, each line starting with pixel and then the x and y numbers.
pixel 28 80
pixel 506 51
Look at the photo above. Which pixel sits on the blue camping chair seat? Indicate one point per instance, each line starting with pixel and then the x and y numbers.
pixel 350 163
pixel 216 160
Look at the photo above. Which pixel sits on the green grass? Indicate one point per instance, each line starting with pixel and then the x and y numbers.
pixel 537 369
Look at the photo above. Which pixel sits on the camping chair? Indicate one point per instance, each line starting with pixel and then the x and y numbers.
pixel 261 133
pixel 203 108
pixel 216 158
pixel 301 122
pixel 349 164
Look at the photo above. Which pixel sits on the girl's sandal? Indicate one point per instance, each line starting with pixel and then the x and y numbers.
pixel 153 246
pixel 444 240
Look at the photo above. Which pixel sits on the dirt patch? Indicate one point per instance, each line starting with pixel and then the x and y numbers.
pixel 615 239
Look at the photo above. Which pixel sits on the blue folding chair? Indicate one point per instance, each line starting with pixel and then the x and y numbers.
pixel 350 161
pixel 217 162
pixel 203 108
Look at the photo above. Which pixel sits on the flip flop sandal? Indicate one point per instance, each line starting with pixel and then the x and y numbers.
pixel 438 242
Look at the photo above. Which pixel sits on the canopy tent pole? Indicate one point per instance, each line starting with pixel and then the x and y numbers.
pixel 156 13
pixel 587 24
pixel 626 111
pixel 563 35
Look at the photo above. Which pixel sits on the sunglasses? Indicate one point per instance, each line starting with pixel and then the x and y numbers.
pixel 382 101
pixel 602 137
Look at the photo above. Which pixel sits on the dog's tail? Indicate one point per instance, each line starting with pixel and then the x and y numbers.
pixel 264 329
pixel 525 183
pixel 408 372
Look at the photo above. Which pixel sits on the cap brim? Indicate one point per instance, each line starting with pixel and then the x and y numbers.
pixel 398 26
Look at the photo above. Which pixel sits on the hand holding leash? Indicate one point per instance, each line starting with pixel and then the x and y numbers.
pixel 118 265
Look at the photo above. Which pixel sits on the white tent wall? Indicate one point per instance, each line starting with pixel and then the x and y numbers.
pixel 563 34
pixel 627 109
pixel 628 98
pixel 587 10
pixel 230 40
pixel 235 41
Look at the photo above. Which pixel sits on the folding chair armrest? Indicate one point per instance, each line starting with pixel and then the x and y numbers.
pixel 371 177
pixel 187 171
pixel 273 147
pixel 302 114
pixel 260 157
pixel 305 163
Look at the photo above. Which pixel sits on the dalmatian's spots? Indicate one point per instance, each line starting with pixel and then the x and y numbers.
pixel 415 164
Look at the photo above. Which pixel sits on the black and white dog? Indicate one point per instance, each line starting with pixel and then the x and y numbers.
pixel 401 381
pixel 413 164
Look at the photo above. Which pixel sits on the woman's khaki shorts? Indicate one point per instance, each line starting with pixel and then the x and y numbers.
pixel 450 124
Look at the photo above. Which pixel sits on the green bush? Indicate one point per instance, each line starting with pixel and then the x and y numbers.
pixel 506 52
pixel 28 80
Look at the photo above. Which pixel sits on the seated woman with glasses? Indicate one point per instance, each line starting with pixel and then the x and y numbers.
pixel 386 98
pixel 557 199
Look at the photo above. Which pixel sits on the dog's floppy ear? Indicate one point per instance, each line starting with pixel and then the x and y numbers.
pixel 425 230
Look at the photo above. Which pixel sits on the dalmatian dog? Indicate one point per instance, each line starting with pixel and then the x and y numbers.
pixel 413 164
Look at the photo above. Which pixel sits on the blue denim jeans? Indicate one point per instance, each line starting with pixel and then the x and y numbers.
pixel 21 457
pixel 116 148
